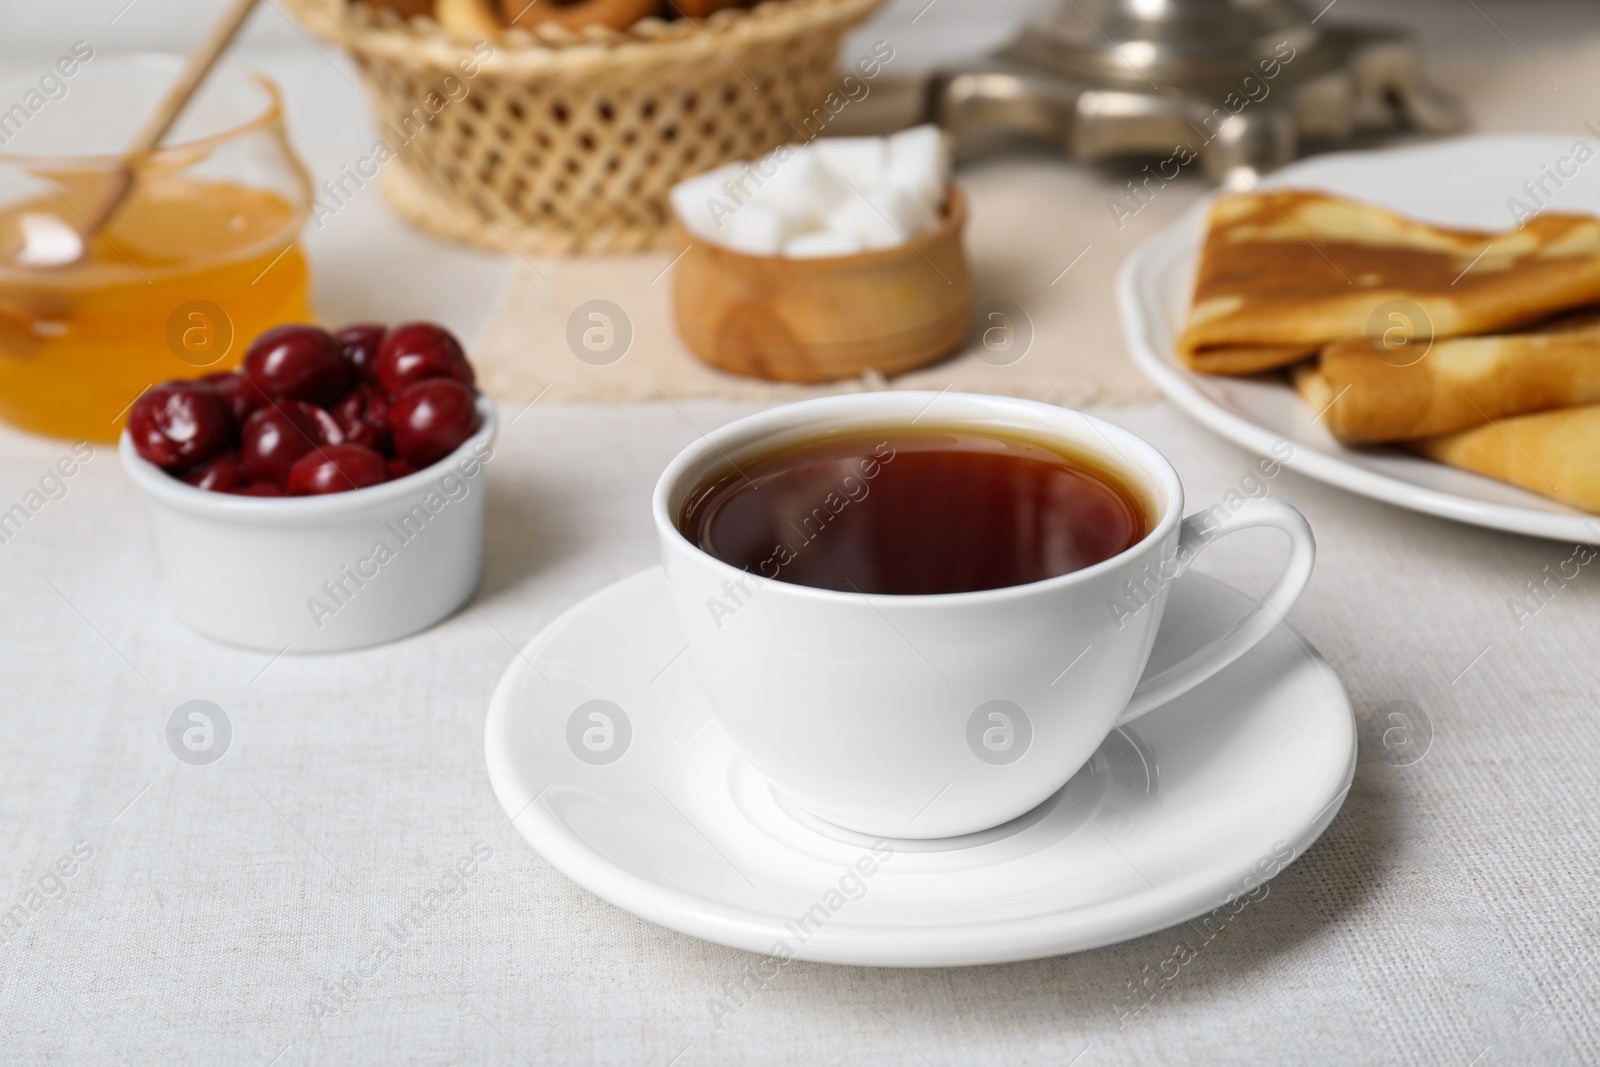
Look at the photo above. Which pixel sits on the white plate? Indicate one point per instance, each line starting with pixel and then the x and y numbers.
pixel 1464 182
pixel 1194 803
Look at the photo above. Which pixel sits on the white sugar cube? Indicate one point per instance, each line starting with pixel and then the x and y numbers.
pixel 918 162
pixel 883 217
pixel 860 161
pixel 860 220
pixel 821 243
pixel 793 180
pixel 703 205
pixel 756 229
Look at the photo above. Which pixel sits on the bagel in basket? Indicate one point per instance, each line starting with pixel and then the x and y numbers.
pixel 576 14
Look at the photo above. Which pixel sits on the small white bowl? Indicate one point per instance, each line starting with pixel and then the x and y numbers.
pixel 322 573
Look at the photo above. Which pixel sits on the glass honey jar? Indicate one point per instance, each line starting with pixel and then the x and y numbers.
pixel 200 255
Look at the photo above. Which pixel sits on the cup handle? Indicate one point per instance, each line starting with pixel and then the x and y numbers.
pixel 1193 538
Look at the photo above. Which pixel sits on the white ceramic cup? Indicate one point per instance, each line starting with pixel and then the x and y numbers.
pixel 306 574
pixel 941 715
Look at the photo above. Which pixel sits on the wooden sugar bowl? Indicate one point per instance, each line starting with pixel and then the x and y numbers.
pixel 822 319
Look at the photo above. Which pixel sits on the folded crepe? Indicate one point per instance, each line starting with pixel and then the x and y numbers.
pixel 1553 453
pixel 1284 273
pixel 1459 383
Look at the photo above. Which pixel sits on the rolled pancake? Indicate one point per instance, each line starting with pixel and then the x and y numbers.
pixel 1461 382
pixel 1553 453
pixel 1286 272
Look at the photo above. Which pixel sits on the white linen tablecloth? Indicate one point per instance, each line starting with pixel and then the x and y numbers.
pixel 1448 914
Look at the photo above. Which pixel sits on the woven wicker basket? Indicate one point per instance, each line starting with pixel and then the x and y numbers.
pixel 564 143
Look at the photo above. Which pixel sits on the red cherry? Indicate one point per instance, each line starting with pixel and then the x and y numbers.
pixel 219 474
pixel 237 392
pixel 399 468
pixel 418 351
pixel 363 417
pixel 431 419
pixel 259 489
pixel 180 424
pixel 298 363
pixel 360 344
pixel 277 435
pixel 335 469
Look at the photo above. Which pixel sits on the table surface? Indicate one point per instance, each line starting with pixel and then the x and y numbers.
pixel 1448 916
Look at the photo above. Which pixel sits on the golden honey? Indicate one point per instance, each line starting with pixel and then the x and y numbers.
pixel 175 284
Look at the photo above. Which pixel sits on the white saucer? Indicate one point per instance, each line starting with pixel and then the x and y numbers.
pixel 1195 802
pixel 1460 182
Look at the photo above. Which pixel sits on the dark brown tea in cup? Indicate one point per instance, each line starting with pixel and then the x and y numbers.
pixel 913 510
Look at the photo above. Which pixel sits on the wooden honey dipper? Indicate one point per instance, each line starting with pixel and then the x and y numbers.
pixel 67 246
